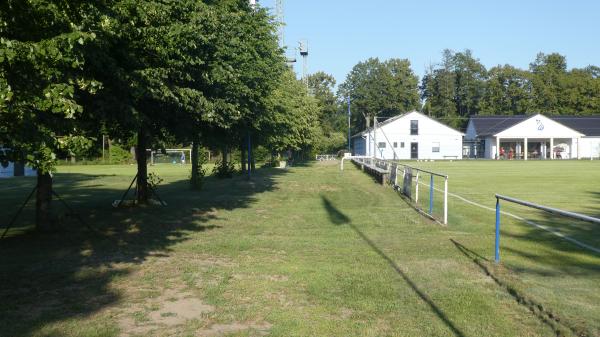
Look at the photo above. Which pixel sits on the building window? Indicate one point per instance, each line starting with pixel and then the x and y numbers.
pixel 401 145
pixel 435 147
pixel 414 127
pixel 381 145
pixel 395 145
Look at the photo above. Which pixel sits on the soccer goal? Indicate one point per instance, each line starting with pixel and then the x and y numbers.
pixel 170 156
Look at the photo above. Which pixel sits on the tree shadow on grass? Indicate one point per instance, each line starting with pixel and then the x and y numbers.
pixel 51 278
pixel 545 315
pixel 339 218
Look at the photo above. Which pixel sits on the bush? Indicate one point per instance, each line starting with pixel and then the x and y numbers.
pixel 119 155
pixel 222 171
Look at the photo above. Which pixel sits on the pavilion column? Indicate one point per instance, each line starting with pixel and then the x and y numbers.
pixel 525 148
pixel 497 148
pixel 551 148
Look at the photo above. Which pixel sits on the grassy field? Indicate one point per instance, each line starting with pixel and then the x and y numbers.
pixel 309 251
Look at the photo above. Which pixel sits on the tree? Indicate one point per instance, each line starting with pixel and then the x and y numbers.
pixel 291 122
pixel 438 89
pixel 332 116
pixel 507 92
pixel 380 89
pixel 41 84
pixel 470 76
pixel 453 90
pixel 548 76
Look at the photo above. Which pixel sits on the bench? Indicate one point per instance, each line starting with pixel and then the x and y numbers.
pixel 381 174
pixel 446 157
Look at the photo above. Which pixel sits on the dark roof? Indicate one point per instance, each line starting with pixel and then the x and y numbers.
pixel 588 125
pixel 491 125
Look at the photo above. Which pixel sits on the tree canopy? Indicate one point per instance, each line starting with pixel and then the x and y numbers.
pixel 381 89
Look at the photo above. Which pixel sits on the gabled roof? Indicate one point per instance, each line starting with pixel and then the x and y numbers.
pixel 395 118
pixel 491 125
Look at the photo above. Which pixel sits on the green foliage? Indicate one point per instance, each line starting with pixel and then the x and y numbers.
pixel 41 77
pixel 507 92
pixel 154 180
pixel 77 146
pixel 224 169
pixel 291 121
pixel 119 155
pixel 460 86
pixel 454 89
pixel 332 116
pixel 380 88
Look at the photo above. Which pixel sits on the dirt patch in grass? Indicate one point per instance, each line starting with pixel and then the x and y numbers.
pixel 261 329
pixel 172 308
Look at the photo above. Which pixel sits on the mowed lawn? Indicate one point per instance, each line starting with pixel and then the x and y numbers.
pixel 309 251
pixel 559 276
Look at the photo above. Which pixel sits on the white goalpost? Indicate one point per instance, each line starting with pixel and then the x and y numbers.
pixel 170 156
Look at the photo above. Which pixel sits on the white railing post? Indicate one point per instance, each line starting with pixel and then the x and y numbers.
pixel 446 201
pixel 417 189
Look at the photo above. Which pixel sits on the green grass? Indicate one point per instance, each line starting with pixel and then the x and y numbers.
pixel 309 251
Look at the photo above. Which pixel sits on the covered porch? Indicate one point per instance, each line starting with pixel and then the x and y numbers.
pixel 535 148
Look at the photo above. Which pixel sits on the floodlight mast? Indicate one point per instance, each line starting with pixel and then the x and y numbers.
pixel 303 48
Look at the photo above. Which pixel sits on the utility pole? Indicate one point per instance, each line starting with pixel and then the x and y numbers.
pixel 374 136
pixel 349 115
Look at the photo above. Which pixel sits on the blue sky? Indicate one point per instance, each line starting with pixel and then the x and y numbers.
pixel 342 33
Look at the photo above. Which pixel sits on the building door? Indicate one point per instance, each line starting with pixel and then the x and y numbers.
pixel 414 150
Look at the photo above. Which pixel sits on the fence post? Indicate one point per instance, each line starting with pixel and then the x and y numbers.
pixel 417 189
pixel 497 246
pixel 446 200
pixel 431 195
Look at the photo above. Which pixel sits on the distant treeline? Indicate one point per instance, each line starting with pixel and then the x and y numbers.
pixel 460 86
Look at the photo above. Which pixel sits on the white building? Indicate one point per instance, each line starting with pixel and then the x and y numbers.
pixel 532 137
pixel 409 136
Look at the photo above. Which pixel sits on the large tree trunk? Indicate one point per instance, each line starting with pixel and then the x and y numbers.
pixel 252 160
pixel 142 168
pixel 243 155
pixel 368 121
pixel 224 157
pixel 195 180
pixel 43 203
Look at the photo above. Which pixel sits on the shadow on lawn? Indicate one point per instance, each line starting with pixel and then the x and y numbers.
pixel 339 218
pixel 50 278
pixel 560 254
pixel 546 316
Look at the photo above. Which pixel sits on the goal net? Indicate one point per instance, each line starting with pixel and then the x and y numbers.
pixel 170 156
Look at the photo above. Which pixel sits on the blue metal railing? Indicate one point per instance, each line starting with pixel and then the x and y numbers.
pixel 551 210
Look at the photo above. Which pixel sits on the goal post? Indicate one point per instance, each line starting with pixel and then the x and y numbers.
pixel 170 156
